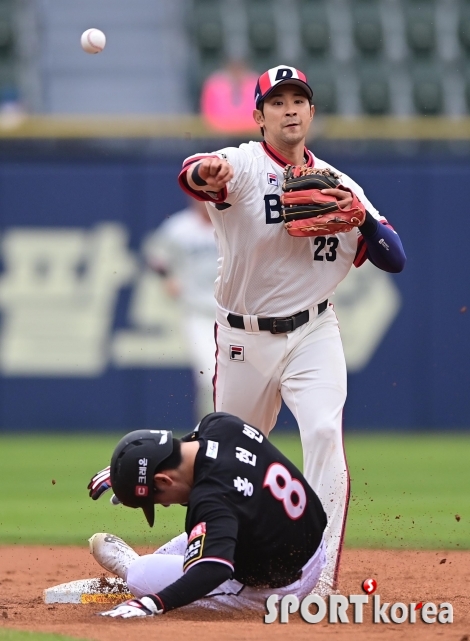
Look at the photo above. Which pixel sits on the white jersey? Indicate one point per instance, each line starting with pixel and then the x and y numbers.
pixel 264 271
pixel 184 247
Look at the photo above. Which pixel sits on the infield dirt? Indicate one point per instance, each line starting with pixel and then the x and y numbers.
pixel 405 576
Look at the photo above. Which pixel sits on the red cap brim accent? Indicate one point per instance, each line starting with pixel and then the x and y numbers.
pixel 288 81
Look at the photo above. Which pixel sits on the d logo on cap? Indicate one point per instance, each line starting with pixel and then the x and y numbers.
pixel 283 74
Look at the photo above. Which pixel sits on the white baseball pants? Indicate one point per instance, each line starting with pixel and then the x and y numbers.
pixel 199 335
pixel 152 573
pixel 306 368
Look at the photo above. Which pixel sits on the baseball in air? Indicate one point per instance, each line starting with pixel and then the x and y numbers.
pixel 93 41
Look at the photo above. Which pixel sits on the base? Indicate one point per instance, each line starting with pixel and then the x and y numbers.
pixel 102 590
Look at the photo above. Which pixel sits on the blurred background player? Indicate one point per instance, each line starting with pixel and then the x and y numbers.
pixel 183 251
pixel 227 98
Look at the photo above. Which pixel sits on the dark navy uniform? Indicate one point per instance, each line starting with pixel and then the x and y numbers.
pixel 250 508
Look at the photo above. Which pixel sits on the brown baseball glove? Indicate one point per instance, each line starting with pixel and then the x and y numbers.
pixel 308 212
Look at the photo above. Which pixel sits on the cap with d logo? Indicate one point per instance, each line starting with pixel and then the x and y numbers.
pixel 133 465
pixel 277 76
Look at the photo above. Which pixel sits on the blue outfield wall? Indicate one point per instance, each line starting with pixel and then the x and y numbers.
pixel 417 377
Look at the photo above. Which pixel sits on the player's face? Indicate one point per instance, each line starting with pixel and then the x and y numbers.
pixel 286 116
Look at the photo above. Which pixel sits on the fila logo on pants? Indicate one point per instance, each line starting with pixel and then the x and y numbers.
pixel 237 353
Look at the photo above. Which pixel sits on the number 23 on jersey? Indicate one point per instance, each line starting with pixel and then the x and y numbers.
pixel 325 246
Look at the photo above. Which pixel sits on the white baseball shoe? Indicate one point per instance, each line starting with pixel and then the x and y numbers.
pixel 112 553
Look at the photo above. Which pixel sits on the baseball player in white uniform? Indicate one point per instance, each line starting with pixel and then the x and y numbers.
pixel 183 252
pixel 277 334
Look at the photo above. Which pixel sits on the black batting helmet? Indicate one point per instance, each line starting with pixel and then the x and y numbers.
pixel 133 465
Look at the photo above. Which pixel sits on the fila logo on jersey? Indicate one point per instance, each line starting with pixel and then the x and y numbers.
pixel 237 353
pixel 272 180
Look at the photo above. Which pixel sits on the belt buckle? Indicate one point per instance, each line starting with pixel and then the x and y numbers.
pixel 274 325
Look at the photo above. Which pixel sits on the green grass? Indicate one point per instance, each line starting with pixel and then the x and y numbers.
pixel 422 479
pixel 34 510
pixel 23 635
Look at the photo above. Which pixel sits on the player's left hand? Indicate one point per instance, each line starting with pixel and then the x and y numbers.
pixel 144 607
pixel 343 197
pixel 314 203
pixel 101 483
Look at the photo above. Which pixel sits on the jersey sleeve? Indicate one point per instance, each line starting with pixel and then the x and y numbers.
pixel 191 586
pixel 361 252
pixel 212 535
pixel 241 162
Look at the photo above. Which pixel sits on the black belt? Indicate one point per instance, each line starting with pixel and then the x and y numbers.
pixel 278 325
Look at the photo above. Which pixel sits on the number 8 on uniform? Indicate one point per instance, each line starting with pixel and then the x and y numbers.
pixel 284 488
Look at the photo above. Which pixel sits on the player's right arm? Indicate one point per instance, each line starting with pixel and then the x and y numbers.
pixel 208 562
pixel 219 177
pixel 189 588
pixel 210 174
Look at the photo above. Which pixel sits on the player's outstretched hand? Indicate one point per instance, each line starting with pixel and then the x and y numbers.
pixel 215 172
pixel 101 483
pixel 144 607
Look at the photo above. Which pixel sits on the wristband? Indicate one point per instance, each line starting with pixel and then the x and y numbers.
pixel 369 226
pixel 200 182
pixel 153 603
